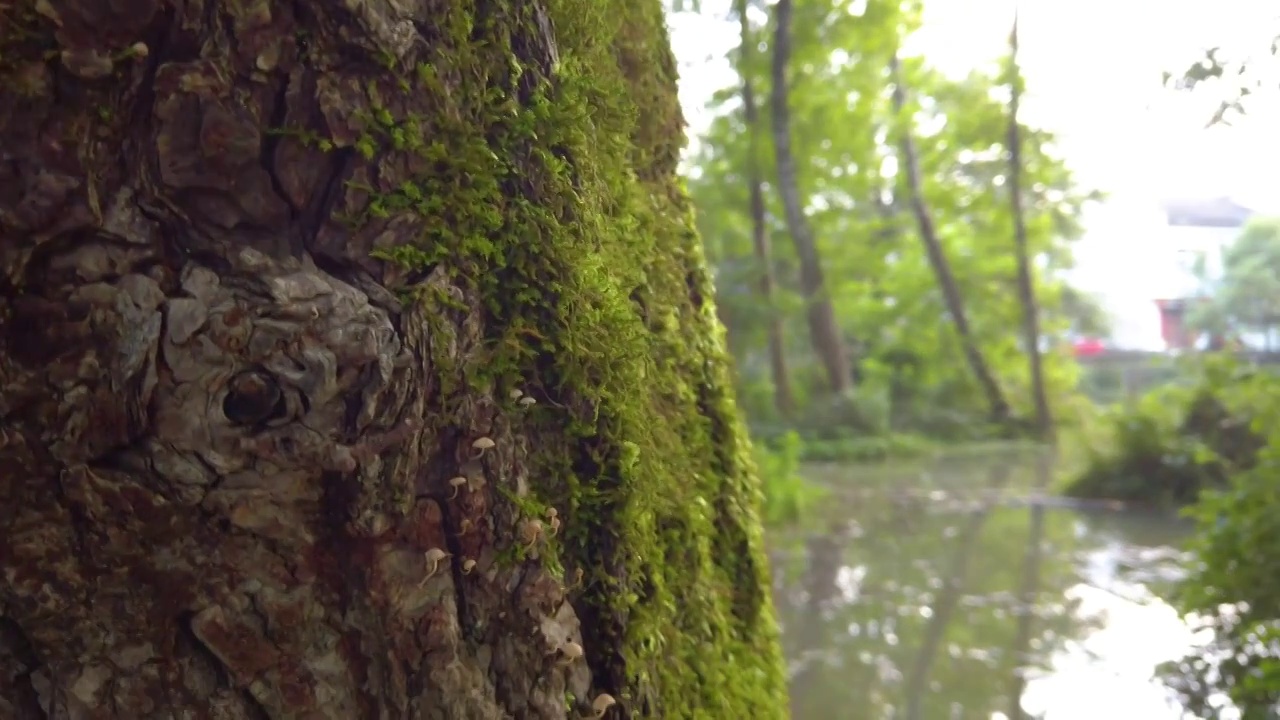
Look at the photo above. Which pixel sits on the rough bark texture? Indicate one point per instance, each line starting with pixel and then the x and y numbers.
pixel 999 407
pixel 357 360
pixel 824 328
pixel 783 398
pixel 1026 280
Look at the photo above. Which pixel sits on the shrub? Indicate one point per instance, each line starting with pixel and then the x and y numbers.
pixel 787 495
pixel 1233 588
pixel 1175 442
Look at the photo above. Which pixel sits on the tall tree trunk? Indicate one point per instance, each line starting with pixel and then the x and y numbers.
pixel 359 360
pixel 1026 282
pixel 999 407
pixel 824 329
pixel 783 398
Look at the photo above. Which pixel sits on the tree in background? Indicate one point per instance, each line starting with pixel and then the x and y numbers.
pixel 359 360
pixel 875 267
pixel 910 163
pixel 1026 279
pixel 1245 298
pixel 783 398
pixel 824 328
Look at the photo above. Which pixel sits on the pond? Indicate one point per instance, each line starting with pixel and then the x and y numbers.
pixel 956 590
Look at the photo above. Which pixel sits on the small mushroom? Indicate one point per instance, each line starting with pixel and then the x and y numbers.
pixel 481 445
pixel 602 703
pixel 457 483
pixel 433 558
pixel 530 532
pixel 570 653
pixel 468 565
pixel 553 520
pixel 528 400
pixel 515 394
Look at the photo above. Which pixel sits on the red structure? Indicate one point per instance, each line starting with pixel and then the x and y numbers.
pixel 1173 317
pixel 1088 347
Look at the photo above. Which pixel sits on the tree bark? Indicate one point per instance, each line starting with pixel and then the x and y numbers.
pixel 783 398
pixel 1026 281
pixel 999 407
pixel 824 328
pixel 359 360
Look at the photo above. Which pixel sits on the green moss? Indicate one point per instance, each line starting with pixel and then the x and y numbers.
pixel 550 190
pixel 543 174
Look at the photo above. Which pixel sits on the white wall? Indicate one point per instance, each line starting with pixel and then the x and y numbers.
pixel 1131 257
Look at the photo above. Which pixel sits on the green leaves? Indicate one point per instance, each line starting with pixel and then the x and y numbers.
pixel 1235 72
pixel 1246 298
pixel 854 195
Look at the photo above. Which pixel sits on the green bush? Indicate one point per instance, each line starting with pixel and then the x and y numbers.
pixel 1234 587
pixel 787 495
pixel 1175 442
pixel 866 449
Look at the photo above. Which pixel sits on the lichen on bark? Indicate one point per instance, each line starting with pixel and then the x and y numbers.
pixel 311 314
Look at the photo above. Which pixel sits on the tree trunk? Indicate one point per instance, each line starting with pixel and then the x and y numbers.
pixel 999 408
pixel 783 398
pixel 358 360
pixel 1026 283
pixel 824 329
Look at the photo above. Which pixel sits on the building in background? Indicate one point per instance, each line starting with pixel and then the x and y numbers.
pixel 1197 230
pixel 1142 249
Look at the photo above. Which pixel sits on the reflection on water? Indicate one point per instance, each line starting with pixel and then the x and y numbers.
pixel 958 591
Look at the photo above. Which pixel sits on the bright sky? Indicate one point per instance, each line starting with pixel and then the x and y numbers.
pixel 1093 72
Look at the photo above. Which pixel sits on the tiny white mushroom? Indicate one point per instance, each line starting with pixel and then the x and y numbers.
pixel 602 703
pixel 570 652
pixel 467 566
pixel 553 520
pixel 530 532
pixel 433 558
pixel 457 483
pixel 527 401
pixel 481 445
pixel 516 393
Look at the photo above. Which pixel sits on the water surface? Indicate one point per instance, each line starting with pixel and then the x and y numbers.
pixel 955 590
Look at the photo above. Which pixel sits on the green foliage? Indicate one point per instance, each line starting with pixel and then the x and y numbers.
pixel 787 495
pixel 1233 588
pixel 1176 442
pixel 1084 313
pixel 1233 73
pixel 1246 298
pixel 910 372
pixel 549 194
pixel 875 448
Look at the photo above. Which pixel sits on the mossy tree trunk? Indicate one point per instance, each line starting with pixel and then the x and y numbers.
pixel 357 360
